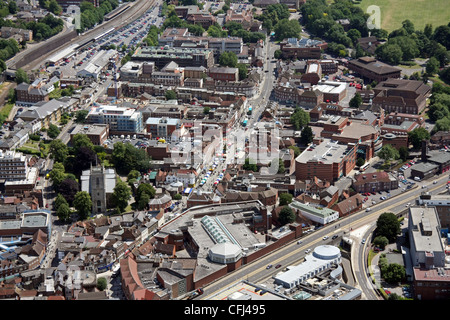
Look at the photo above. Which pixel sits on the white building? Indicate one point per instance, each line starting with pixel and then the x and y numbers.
pixel 118 118
pixel 424 231
pixel 322 258
pixel 317 214
pixel 186 177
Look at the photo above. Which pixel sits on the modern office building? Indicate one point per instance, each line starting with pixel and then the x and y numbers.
pixel 328 160
pixel 184 57
pixel 427 254
pixel 119 119
pixel 13 165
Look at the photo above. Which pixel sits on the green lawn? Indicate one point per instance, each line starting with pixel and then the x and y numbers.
pixel 420 12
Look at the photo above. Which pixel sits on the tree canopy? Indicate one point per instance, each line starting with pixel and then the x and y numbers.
pixel 388 226
pixel 287 215
pixel 83 204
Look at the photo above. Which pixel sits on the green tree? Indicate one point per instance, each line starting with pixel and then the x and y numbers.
pixel 83 204
pixel 58 150
pixel 403 153
pixel 57 175
pixel 250 165
pixel 54 7
pixel 381 242
pixel 307 135
pixel 228 59
pixel 296 150
pixel 21 76
pixel 278 54
pixel 80 116
pixel 394 273
pixel 432 66
pixel 390 53
pixel 300 118
pixel 80 140
pixel 356 101
pixel 142 204
pixel 243 71
pixel 442 125
pixel 53 131
pixel 144 188
pixel 216 32
pixel 285 198
pixel 281 168
pixel 360 161
pixel 287 29
pixel 102 284
pixel 68 188
pixel 437 111
pixel 388 153
pixel 170 95
pixel 121 194
pixel 177 197
pixel 59 200
pixel 133 174
pixel 388 226
pixel 287 215
pixel 417 135
pixel 63 212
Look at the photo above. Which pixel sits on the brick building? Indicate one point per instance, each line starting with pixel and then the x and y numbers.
pixel 374 182
pixel 373 70
pixel 402 96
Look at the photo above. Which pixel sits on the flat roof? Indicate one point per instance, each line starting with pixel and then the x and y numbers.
pixel 425 219
pixel 317 211
pixel 35 219
pixel 327 152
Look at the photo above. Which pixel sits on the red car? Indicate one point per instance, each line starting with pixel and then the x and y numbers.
pixel 277 266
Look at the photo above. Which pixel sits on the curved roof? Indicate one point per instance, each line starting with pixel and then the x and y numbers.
pixel 326 252
pixel 225 250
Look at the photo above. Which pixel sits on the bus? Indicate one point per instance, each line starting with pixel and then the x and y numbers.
pixel 364 167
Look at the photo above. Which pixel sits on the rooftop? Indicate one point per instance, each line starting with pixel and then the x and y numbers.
pixel 327 152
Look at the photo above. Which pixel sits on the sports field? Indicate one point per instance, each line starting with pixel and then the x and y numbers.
pixel 420 12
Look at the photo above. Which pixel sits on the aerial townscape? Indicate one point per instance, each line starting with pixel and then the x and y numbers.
pixel 203 150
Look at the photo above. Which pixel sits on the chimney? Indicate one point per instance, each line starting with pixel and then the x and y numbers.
pixel 424 151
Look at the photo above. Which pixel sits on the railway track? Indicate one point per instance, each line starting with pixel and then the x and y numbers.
pixel 135 11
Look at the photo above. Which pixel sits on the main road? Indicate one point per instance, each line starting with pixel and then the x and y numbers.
pixel 294 253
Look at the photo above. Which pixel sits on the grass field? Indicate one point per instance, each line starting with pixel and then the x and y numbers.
pixel 420 12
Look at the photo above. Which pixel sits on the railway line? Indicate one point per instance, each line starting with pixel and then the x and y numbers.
pixel 118 19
